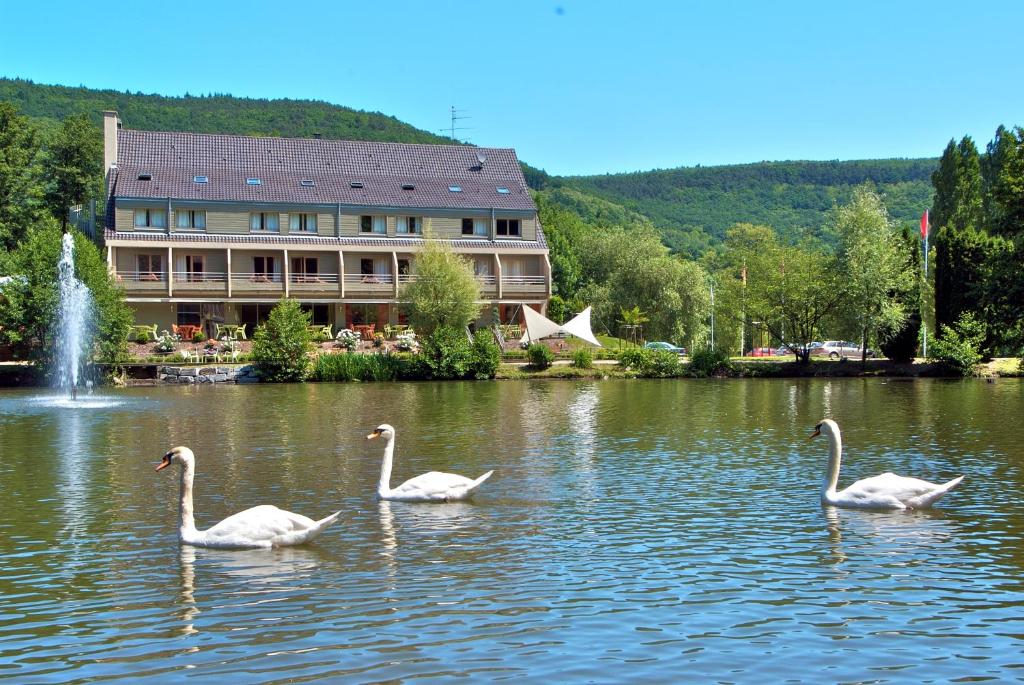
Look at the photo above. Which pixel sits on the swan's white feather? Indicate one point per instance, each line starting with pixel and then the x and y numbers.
pixel 885 491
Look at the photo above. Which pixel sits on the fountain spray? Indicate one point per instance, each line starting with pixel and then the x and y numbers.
pixel 72 319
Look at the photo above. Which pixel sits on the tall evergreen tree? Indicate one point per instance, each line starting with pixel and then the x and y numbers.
pixel 957 209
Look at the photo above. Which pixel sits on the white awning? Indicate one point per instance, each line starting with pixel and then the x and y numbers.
pixel 539 326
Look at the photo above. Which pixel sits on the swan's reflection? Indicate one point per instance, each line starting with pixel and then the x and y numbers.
pixel 389 542
pixel 189 610
pixel 893 534
pixel 260 571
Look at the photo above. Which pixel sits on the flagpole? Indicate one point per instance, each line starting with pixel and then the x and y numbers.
pixel 924 319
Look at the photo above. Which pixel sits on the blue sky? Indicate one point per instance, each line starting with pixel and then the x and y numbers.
pixel 576 87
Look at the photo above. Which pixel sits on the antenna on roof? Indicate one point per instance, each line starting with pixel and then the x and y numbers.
pixel 481 157
pixel 457 115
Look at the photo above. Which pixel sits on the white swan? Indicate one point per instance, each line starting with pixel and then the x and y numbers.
pixel 264 526
pixel 430 487
pixel 887 491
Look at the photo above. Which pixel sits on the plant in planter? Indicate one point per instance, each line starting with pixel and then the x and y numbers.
pixel 347 338
pixel 198 337
pixel 165 343
pixel 378 340
pixel 406 342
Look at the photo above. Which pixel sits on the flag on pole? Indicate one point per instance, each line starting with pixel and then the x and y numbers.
pixel 924 224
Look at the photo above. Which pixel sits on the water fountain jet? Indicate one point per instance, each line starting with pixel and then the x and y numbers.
pixel 72 334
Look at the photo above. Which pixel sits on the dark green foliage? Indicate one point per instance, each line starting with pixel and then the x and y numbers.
pixel 635 358
pixel 360 367
pixel 958 347
pixel 213 113
pixel 660 364
pixel 28 308
pixel 707 363
pixel 74 166
pixel 486 356
pixel 901 345
pixel 445 354
pixel 540 356
pixel 20 186
pixel 280 347
pixel 693 207
pixel 583 358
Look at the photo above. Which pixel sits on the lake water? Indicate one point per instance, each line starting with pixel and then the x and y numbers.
pixel 632 531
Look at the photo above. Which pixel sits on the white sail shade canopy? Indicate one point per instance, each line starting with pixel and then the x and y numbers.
pixel 539 326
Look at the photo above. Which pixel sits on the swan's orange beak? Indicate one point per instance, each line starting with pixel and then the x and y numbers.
pixel 816 433
pixel 164 463
pixel 374 434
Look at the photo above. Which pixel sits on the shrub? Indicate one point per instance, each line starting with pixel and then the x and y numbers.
pixel 660 364
pixel 635 358
pixel 486 356
pixel 705 363
pixel 445 354
pixel 280 347
pixel 406 342
pixel 958 348
pixel 198 337
pixel 901 345
pixel 583 358
pixel 358 367
pixel 540 356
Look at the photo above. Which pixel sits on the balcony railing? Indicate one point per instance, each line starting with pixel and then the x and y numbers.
pixel 199 280
pixel 369 283
pixel 142 280
pixel 256 281
pixel 531 284
pixel 313 282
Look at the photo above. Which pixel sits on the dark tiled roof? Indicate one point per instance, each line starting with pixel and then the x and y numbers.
pixel 173 159
pixel 269 240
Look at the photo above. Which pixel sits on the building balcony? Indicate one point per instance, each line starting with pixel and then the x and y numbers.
pixel 243 283
pixel 533 285
pixel 369 284
pixel 142 281
pixel 305 284
pixel 205 282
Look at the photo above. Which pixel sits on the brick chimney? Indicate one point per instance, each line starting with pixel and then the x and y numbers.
pixel 110 125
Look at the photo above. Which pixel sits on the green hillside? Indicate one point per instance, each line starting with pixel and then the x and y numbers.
pixel 212 113
pixel 694 206
pixel 691 207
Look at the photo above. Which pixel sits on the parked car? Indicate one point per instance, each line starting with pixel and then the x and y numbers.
pixel 765 352
pixel 840 349
pixel 667 346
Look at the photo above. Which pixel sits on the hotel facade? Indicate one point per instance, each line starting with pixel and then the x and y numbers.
pixel 206 229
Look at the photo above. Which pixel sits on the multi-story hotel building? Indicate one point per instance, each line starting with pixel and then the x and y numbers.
pixel 205 229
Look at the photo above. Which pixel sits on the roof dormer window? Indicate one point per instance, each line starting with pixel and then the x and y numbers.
pixel 145 177
pixel 200 179
pixel 408 186
pixel 307 183
pixel 502 189
pixel 254 181
pixel 355 184
pixel 455 189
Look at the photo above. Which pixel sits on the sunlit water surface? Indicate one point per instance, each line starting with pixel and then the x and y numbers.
pixel 636 530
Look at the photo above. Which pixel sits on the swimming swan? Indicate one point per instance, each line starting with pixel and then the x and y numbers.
pixel 264 526
pixel 887 491
pixel 430 487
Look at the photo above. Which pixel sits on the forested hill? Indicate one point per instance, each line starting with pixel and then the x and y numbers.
pixel 691 207
pixel 212 113
pixel 694 206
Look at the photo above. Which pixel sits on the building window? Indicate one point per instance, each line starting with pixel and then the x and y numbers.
pixel 404 268
pixel 410 224
pixel 263 221
pixel 263 269
pixel 189 314
pixel 191 218
pixel 149 267
pixel 305 269
pixel 302 223
pixel 373 224
pixel 150 218
pixel 476 227
pixel 319 314
pixel 194 267
pixel 508 227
